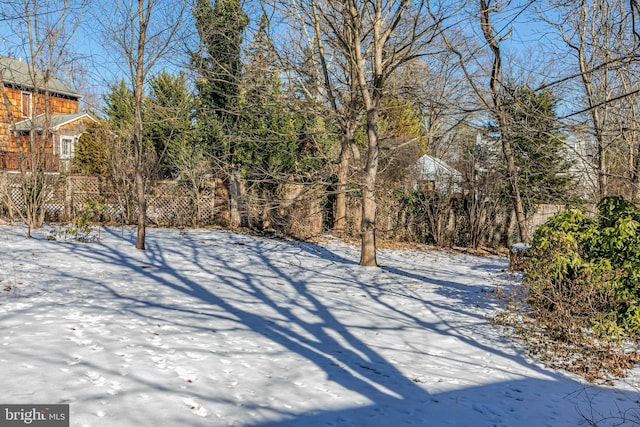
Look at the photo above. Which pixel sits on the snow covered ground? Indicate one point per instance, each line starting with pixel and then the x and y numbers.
pixel 211 328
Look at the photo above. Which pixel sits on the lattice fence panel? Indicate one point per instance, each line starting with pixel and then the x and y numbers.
pixel 12 200
pixel 169 204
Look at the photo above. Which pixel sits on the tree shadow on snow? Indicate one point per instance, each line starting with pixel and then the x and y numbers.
pixel 316 324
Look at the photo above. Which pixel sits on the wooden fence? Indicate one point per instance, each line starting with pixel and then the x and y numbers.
pixel 169 203
pixel 295 209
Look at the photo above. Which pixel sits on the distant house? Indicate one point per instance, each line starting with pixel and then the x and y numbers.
pixel 59 136
pixel 433 174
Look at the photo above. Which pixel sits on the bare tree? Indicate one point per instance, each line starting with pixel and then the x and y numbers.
pixel 379 38
pixel 601 37
pixel 44 32
pixel 344 102
pixel 318 70
pixel 495 100
pixel 141 33
pixel 487 8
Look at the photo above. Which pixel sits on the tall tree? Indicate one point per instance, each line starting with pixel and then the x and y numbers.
pixel 495 101
pixel 218 65
pixel 382 36
pixel 168 110
pixel 267 130
pixel 315 64
pixel 538 145
pixel 500 110
pixel 96 148
pixel 267 133
pixel 339 83
pixel 141 33
pixel 602 42
pixel 356 47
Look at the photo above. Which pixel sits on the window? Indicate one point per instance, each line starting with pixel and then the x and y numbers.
pixel 67 147
pixel 26 104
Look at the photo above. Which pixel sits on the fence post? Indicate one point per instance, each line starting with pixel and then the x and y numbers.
pixel 235 195
pixel 68 198
pixel 212 211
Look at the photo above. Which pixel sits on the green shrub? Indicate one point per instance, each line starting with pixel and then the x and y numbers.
pixel 80 229
pixel 591 265
pixel 581 289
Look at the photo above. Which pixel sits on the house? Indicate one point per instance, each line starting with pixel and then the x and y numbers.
pixel 433 174
pixel 56 134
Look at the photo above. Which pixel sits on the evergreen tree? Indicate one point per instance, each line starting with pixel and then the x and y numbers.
pixel 218 64
pixel 267 131
pixel 538 144
pixel 108 138
pixel 118 107
pixel 94 150
pixel 168 112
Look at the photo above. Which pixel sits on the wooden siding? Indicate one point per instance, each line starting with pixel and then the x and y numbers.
pixel 59 105
pixel 75 127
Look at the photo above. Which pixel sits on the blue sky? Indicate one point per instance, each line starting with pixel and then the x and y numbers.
pixel 102 65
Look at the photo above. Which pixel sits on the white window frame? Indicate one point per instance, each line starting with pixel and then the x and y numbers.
pixel 71 140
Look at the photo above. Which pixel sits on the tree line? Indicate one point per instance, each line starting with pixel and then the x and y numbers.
pixel 350 94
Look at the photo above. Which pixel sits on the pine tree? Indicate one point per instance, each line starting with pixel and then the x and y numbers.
pixel 118 107
pixel 267 132
pixel 168 113
pixel 538 144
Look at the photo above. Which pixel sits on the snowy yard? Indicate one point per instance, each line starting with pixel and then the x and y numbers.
pixel 211 328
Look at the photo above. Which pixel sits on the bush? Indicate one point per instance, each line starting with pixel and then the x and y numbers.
pixel 582 289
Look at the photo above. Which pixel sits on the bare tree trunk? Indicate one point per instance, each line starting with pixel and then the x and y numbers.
pixel 371 98
pixel 142 209
pixel 503 120
pixel 597 122
pixel 129 28
pixel 138 94
pixel 512 174
pixel 340 214
pixel 347 145
pixel 235 194
pixel 369 204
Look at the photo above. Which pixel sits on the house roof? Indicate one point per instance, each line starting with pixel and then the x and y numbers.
pixel 57 121
pixel 444 177
pixel 17 73
pixel 432 166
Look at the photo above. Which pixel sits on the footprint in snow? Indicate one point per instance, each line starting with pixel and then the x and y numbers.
pixel 76 359
pixel 96 348
pixel 161 362
pixel 115 388
pixel 195 407
pixel 327 391
pixel 96 378
pixel 194 356
pixel 187 374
